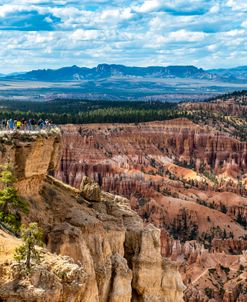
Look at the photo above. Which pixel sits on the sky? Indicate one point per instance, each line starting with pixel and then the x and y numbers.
pixel 54 33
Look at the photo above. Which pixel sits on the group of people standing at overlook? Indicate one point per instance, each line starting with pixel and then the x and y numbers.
pixel 25 124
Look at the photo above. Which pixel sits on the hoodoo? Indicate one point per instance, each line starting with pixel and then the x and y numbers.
pixel 97 248
pixel 186 179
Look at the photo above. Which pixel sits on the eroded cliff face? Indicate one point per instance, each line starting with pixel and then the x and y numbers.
pixel 187 180
pixel 102 151
pixel 113 256
pixel 31 155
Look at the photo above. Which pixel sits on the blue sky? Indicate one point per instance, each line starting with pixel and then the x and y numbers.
pixel 51 34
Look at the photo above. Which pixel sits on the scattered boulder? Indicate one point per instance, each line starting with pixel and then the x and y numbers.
pixel 90 190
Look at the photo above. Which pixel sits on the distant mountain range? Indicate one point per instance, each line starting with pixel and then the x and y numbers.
pixel 105 71
pixel 119 82
pixel 232 74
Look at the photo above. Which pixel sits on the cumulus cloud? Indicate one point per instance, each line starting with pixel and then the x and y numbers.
pixel 183 35
pixel 148 6
pixel 81 34
pixel 237 4
pixel 50 34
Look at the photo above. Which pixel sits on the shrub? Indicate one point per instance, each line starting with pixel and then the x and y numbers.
pixel 211 270
pixel 32 236
pixel 225 269
pixel 209 292
pixel 10 203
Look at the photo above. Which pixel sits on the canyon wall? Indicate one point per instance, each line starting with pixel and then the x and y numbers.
pixel 187 180
pixel 104 250
pixel 107 152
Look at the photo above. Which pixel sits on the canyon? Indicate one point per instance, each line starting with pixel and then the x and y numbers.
pixel 138 147
pixel 189 180
pixel 97 248
pixel 140 212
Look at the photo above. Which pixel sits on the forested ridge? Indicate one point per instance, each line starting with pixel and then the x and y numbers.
pixel 82 111
pixel 87 111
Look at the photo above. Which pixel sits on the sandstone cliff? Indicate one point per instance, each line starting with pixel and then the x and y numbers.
pixel 113 256
pixel 186 179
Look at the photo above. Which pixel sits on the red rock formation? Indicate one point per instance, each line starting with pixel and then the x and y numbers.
pixel 104 151
pixel 144 161
pixel 233 106
pixel 108 252
pixel 229 246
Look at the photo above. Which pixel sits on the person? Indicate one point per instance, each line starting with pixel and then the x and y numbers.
pixel 18 124
pixel 23 123
pixel 31 124
pixel 4 124
pixel 40 123
pixel 47 124
pixel 11 124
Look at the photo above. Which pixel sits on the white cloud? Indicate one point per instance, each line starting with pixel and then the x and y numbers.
pixel 244 24
pixel 212 47
pixel 184 35
pixel 237 4
pixel 7 8
pixel 115 15
pixel 122 31
pixel 234 33
pixel 81 34
pixel 149 6
pixel 215 8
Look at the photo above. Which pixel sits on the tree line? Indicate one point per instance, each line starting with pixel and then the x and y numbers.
pixel 85 111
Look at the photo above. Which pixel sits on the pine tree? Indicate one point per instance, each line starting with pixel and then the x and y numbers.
pixel 32 236
pixel 10 203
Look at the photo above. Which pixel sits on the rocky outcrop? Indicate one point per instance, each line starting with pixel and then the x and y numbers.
pixel 109 239
pixel 55 279
pixel 186 179
pixel 113 256
pixel 118 252
pixel 31 154
pixel 160 284
pixel 90 190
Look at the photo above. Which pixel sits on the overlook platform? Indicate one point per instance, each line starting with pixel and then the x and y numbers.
pixel 46 130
